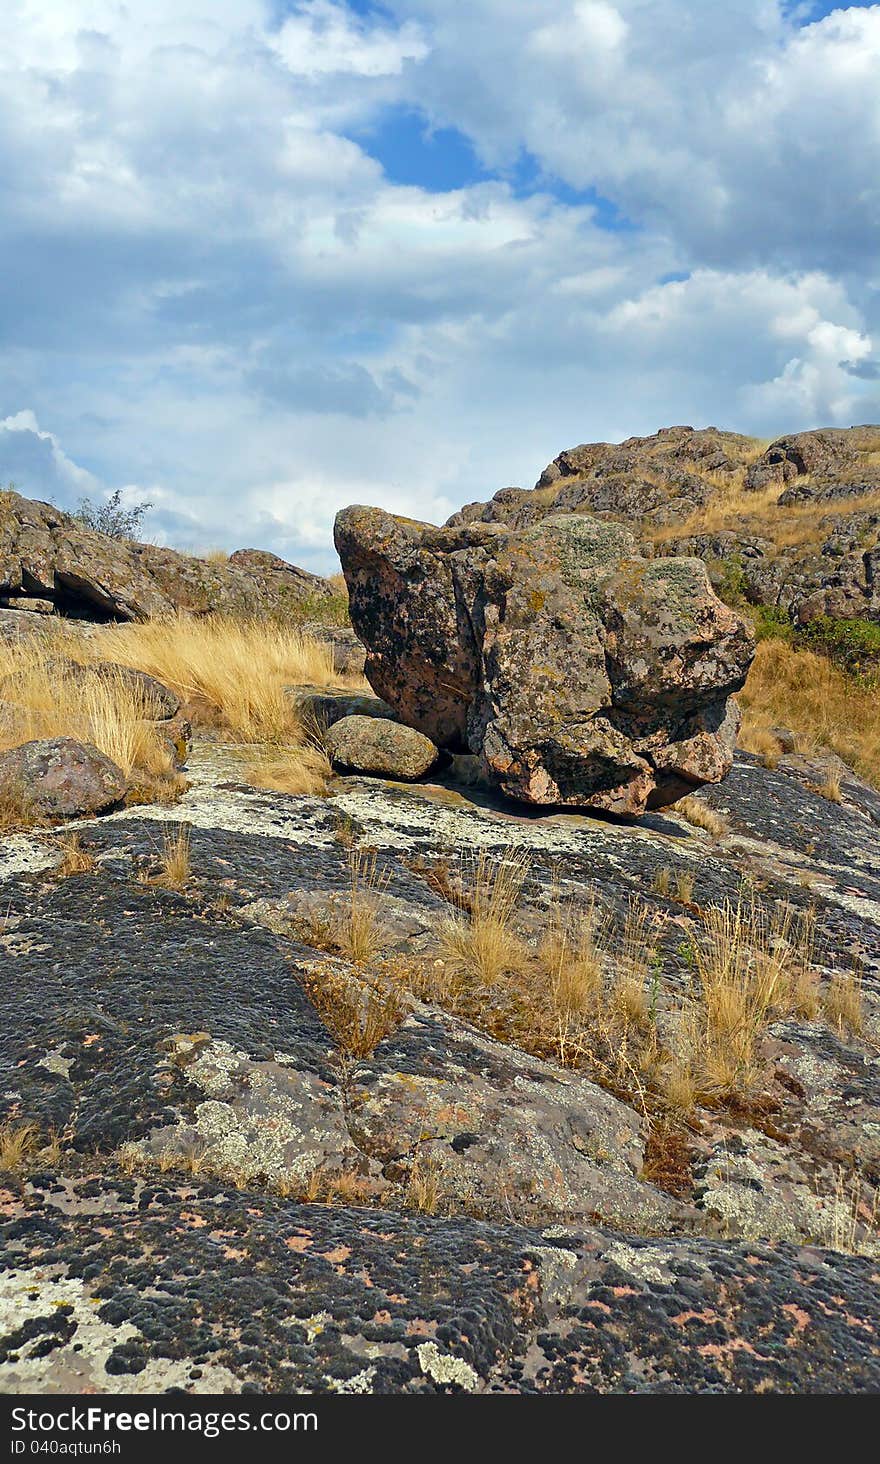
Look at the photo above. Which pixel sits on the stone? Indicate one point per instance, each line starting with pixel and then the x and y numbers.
pixel 60 778
pixel 29 602
pixel 377 745
pixel 580 672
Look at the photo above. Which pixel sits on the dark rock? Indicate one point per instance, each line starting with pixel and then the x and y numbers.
pixel 321 706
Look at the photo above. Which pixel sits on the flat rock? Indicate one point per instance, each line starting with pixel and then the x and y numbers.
pixel 112 1285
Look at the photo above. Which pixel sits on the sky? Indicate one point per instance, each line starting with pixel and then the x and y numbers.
pixel 261 259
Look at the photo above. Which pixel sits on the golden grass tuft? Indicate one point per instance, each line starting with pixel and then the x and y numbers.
pixel 752 966
pixel 826 708
pixel 175 860
pixel 478 941
pixel 423 1186
pixel 232 671
pixel 22 1144
pixel 702 816
pixel 842 1003
pixel 295 768
pixel 75 859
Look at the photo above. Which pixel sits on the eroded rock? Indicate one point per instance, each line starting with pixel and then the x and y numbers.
pixel 579 672
pixel 50 555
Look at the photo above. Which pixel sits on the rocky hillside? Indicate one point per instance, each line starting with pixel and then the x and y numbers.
pixel 793 524
pixel 383 1038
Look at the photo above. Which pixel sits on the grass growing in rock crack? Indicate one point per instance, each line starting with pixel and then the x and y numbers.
pixel 175 860
pixel 22 1144
pixel 702 816
pixel 752 966
pixel 841 1003
pixel 75 858
pixel 478 941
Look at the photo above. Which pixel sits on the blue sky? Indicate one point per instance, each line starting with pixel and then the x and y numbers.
pixel 264 259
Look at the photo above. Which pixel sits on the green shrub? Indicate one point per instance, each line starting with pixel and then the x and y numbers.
pixel 852 644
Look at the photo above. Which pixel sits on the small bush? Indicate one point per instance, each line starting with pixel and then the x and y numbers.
pixel 112 518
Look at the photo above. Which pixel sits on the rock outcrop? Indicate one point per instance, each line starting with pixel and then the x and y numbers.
pixel 579 672
pixel 51 559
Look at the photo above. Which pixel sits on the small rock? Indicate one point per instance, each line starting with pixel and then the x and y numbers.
pixel 61 778
pixel 376 745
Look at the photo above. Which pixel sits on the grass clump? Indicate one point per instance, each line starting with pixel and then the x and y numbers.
pixel 752 966
pixel 797 688
pixel 478 941
pixel 702 816
pixel 175 860
pixel 75 858
pixel 23 1144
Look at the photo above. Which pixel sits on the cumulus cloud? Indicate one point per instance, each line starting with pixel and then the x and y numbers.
pixel 225 303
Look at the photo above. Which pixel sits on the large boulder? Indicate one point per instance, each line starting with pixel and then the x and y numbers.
pixel 49 556
pixel 579 672
pixel 61 778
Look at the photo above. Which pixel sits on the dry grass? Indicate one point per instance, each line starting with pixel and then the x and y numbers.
pixel 22 1144
pixel 423 1186
pixel 683 886
pixel 732 507
pixel 295 768
pixel 702 816
pixel 478 941
pixel 854 1217
pixel 842 1003
pixel 350 923
pixel 18 809
pixel 75 859
pixel 106 711
pixel 232 672
pixel 803 691
pixel 175 860
pixel 830 789
pixel 752 966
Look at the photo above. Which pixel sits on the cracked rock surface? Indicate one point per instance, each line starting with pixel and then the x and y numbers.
pixel 184 1050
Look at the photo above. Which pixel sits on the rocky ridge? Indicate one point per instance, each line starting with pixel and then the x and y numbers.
pixel 49 562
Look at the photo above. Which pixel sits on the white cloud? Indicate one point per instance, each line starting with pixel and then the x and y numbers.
pixel 219 294
pixel 324 39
